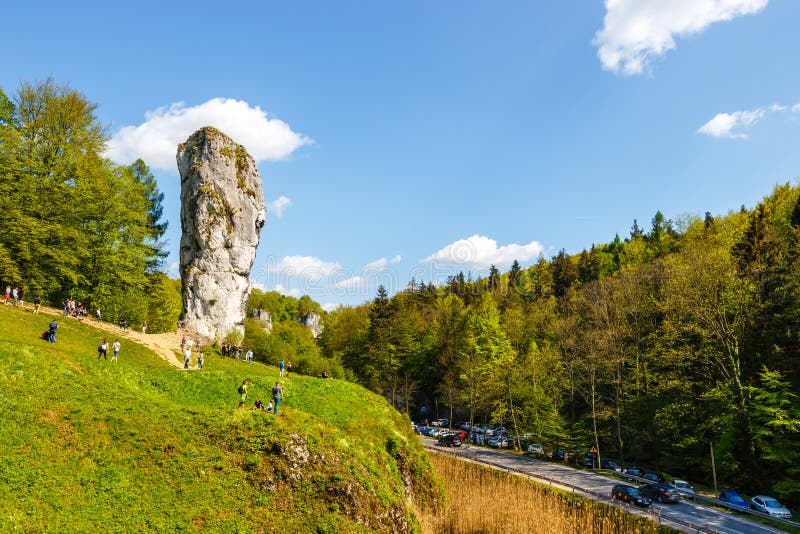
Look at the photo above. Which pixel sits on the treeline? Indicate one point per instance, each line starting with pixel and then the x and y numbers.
pixel 73 224
pixel 287 338
pixel 654 347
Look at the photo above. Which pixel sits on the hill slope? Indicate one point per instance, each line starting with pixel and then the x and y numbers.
pixel 87 445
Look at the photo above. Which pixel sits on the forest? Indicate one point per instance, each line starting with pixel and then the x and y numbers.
pixel 656 347
pixel 75 224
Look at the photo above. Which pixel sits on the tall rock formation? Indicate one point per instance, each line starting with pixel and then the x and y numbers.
pixel 222 213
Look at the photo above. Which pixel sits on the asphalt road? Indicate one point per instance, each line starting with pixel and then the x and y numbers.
pixel 595 485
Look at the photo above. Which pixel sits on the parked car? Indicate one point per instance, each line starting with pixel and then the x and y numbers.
pixel 449 440
pixel 625 493
pixel 611 465
pixel 659 492
pixel 535 448
pixel 464 426
pixel 633 471
pixel 733 500
pixel 682 487
pixel 478 438
pixel 770 506
pixel 444 423
pixel 653 477
pixel 500 442
pixel 589 460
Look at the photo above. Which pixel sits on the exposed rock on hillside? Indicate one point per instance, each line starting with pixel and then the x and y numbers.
pixel 222 213
pixel 313 322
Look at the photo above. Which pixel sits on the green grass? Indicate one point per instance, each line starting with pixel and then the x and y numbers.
pixel 86 445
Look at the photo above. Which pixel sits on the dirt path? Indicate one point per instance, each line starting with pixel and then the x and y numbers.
pixel 164 345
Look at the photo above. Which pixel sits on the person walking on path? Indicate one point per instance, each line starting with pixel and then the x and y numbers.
pixel 102 350
pixel 187 355
pixel 242 394
pixel 37 303
pixel 200 360
pixel 249 356
pixel 288 368
pixel 15 296
pixel 52 334
pixel 144 327
pixel 97 314
pixel 277 395
pixel 281 366
pixel 8 294
pixel 116 347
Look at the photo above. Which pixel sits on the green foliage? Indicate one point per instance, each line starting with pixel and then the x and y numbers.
pixel 82 436
pixel 654 347
pixel 74 224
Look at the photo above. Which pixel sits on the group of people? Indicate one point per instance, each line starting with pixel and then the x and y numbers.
pixel 272 406
pixel 14 295
pixel 284 367
pixel 186 350
pixel 102 350
pixel 75 309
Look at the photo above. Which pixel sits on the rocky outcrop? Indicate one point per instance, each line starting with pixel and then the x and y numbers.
pixel 264 318
pixel 314 323
pixel 222 213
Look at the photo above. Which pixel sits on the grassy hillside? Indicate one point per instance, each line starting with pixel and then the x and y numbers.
pixel 89 445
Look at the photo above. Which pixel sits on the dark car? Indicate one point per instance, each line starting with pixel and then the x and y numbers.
pixel 633 471
pixel 733 500
pixel 625 493
pixel 653 477
pixel 659 492
pixel 611 465
pixel 449 440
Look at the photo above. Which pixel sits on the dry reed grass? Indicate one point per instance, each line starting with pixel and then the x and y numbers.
pixel 483 500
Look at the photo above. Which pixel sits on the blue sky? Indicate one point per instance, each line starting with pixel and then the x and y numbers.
pixel 422 138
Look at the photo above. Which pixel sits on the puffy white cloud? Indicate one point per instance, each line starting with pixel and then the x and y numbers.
pixel 479 252
pixel 635 31
pixel 156 140
pixel 304 267
pixel 278 205
pixel 354 282
pixel 729 125
pixel 329 306
pixel 280 288
pixel 381 264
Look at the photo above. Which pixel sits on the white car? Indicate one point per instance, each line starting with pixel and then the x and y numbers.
pixel 681 486
pixel 770 506
pixel 535 448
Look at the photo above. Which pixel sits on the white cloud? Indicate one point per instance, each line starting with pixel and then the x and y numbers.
pixel 777 107
pixel 329 306
pixel 174 269
pixel 381 264
pixel 796 108
pixel 304 267
pixel 156 140
pixel 280 288
pixel 354 282
pixel 729 125
pixel 479 252
pixel 278 205
pixel 635 31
